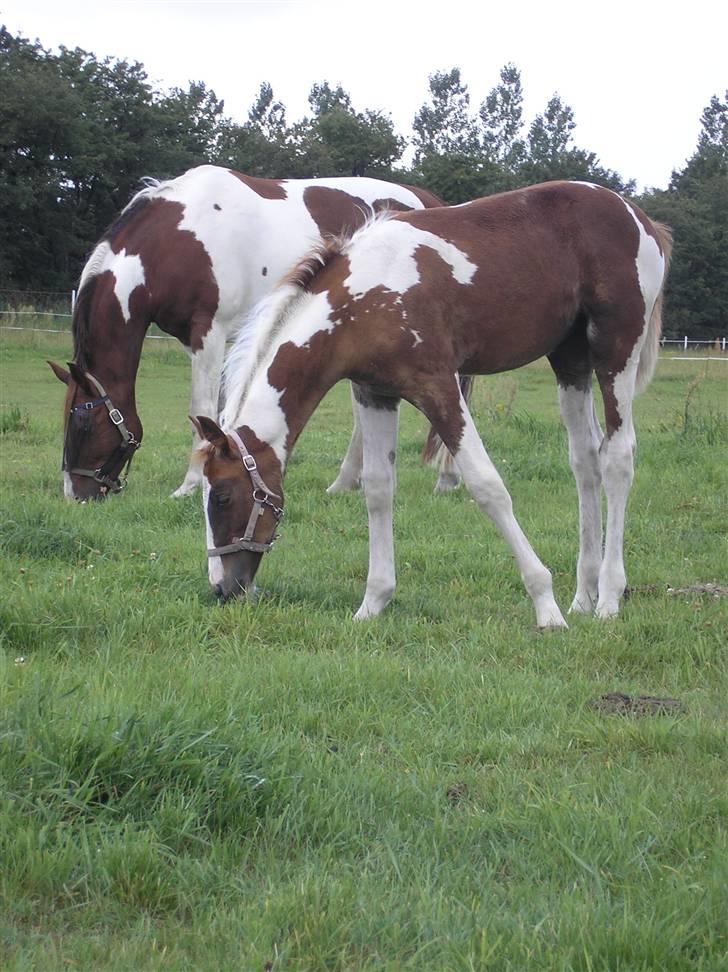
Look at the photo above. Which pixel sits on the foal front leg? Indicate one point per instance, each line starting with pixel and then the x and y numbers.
pixel 378 421
pixel 486 486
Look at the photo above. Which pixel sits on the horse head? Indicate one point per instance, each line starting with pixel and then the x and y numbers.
pixel 241 510
pixel 99 441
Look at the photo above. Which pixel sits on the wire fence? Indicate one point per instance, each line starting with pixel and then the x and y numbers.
pixel 19 308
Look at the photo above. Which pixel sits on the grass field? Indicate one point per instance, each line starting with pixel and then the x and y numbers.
pixel 188 786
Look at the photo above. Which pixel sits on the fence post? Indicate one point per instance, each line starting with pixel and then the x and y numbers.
pixel 724 344
pixel 685 343
pixel 73 300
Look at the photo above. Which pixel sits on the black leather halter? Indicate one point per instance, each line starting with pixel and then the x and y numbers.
pixel 124 452
pixel 262 497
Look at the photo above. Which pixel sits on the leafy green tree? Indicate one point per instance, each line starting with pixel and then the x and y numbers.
pixel 695 205
pixel 444 125
pixel 337 140
pixel 501 118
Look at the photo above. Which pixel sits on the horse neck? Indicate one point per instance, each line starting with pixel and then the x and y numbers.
pixel 106 344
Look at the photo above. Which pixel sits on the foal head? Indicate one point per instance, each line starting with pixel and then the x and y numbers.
pixel 243 503
pixel 98 440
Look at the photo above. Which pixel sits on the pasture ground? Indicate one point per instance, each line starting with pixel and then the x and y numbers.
pixel 184 786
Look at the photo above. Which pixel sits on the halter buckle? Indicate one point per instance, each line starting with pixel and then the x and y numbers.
pixel 249 462
pixel 116 417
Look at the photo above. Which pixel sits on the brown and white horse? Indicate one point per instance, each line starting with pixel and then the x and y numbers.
pixel 567 270
pixel 194 255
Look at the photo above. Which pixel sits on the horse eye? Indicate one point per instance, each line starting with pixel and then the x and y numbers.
pixel 221 500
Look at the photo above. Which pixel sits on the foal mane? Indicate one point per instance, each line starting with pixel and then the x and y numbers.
pixel 267 320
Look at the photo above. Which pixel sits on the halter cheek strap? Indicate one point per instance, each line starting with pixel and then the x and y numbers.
pixel 129 444
pixel 262 497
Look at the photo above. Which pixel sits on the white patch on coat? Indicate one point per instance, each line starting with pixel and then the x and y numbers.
pixel 128 272
pixel 289 316
pixel 650 265
pixel 68 485
pixel 383 255
pixel 215 571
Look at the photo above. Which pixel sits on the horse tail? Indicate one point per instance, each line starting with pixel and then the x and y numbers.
pixel 434 446
pixel 651 346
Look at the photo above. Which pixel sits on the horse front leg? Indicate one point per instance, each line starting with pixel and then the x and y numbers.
pixel 349 477
pixel 450 414
pixel 378 421
pixel 206 377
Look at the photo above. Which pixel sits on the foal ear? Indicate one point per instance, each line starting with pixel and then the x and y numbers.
pixel 60 373
pixel 212 432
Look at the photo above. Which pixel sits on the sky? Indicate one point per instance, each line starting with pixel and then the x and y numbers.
pixel 636 74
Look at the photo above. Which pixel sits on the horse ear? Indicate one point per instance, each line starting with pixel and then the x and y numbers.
pixel 212 432
pixel 60 373
pixel 80 378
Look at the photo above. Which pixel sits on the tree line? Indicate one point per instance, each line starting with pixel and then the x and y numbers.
pixel 78 133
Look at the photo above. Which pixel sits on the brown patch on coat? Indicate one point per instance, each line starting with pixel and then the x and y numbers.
pixel 265 188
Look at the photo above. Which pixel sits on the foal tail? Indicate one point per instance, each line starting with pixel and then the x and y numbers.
pixel 433 444
pixel 648 355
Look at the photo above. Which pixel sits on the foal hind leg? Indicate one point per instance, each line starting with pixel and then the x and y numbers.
pixel 450 415
pixel 574 375
pixel 349 477
pixel 616 457
pixel 378 420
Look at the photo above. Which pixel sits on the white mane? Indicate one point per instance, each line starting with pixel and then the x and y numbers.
pixel 266 323
pixel 252 344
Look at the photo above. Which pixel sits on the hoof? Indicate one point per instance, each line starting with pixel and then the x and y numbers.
pixel 344 486
pixel 446 483
pixel 186 489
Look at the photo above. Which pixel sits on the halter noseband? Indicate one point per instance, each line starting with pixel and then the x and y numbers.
pixel 129 443
pixel 261 498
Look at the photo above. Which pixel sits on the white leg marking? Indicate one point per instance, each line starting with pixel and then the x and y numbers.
pixel 206 372
pixel 483 482
pixel 350 472
pixel 379 436
pixel 585 437
pixel 617 463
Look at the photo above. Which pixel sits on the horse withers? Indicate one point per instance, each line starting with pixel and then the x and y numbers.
pixel 193 255
pixel 568 270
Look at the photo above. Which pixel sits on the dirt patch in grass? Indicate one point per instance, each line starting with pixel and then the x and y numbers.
pixel 617 703
pixel 713 590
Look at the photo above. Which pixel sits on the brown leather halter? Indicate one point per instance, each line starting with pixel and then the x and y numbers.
pixel 124 451
pixel 261 498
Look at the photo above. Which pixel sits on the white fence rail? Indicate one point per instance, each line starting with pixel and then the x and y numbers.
pixel 25 301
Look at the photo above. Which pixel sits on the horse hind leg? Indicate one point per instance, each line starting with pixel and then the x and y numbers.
pixel 350 471
pixel 487 489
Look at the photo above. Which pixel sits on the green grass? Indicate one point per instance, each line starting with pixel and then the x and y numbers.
pixel 184 786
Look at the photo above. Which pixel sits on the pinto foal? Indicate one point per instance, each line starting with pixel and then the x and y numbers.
pixel 567 270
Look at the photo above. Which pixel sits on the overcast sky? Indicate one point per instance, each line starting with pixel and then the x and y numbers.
pixel 637 74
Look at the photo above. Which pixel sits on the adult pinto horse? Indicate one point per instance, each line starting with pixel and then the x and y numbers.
pixel 194 255
pixel 567 270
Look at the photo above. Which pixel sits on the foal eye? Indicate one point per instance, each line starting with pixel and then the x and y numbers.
pixel 221 499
